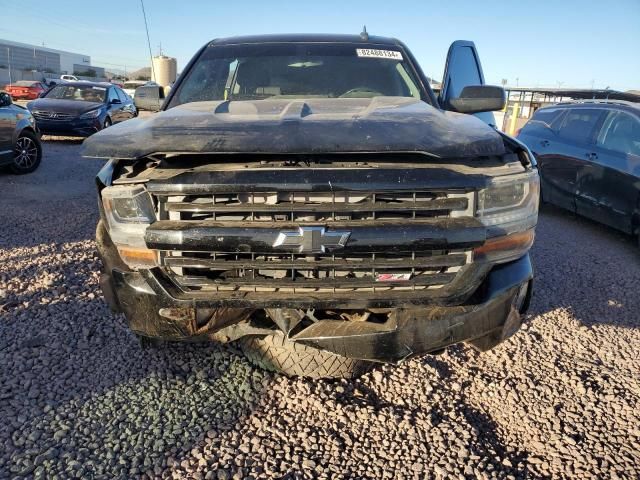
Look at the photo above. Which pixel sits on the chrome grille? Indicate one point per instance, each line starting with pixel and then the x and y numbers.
pixel 323 273
pixel 327 273
pixel 304 207
pixel 51 115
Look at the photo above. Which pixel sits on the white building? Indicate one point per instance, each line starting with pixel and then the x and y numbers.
pixel 22 56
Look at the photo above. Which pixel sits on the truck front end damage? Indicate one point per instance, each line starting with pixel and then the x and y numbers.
pixel 373 256
pixel 311 198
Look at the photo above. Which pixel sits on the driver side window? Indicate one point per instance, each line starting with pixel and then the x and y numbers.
pixel 113 95
pixel 121 95
pixel 620 133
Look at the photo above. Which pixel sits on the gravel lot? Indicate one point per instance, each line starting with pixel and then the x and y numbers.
pixel 80 398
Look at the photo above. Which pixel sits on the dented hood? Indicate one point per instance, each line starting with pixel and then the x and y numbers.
pixel 379 124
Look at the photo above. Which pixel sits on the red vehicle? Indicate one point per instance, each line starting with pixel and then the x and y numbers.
pixel 25 89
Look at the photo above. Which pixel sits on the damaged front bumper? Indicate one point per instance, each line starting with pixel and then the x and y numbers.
pixel 486 318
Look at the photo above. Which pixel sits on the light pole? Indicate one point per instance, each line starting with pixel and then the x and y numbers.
pixel 9 62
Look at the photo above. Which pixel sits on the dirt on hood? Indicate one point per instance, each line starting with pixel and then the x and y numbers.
pixel 304 126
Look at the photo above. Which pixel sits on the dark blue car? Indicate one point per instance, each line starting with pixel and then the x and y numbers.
pixel 589 159
pixel 81 108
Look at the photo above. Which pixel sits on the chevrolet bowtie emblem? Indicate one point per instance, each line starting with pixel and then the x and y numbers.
pixel 312 239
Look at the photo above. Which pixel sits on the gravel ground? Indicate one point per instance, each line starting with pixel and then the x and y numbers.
pixel 80 398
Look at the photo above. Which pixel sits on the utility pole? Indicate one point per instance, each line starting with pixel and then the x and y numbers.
pixel 146 26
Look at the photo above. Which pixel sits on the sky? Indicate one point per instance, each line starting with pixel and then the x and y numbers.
pixel 539 43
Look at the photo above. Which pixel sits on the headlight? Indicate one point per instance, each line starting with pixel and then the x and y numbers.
pixel 509 209
pixel 92 114
pixel 510 204
pixel 129 211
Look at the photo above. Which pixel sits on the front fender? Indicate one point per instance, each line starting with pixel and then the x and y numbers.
pixel 23 122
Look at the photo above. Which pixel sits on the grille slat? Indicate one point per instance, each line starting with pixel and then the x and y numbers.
pixel 442 261
pixel 447 204
pixel 422 280
pixel 314 206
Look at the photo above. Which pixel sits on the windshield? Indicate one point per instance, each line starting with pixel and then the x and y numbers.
pixel 297 70
pixel 84 93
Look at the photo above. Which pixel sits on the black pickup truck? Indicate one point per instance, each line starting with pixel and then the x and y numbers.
pixel 311 198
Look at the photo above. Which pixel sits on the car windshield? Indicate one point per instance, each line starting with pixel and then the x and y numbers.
pixel 298 70
pixel 83 93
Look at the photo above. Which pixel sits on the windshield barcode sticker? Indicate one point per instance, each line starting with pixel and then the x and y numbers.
pixel 372 53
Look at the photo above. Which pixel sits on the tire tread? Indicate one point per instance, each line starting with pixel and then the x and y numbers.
pixel 277 354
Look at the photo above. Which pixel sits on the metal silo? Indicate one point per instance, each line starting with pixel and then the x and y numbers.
pixel 165 70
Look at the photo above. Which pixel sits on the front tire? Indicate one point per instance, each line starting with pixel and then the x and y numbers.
pixel 107 123
pixel 277 354
pixel 27 153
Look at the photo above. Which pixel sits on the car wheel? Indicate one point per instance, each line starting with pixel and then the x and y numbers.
pixel 276 353
pixel 107 123
pixel 27 153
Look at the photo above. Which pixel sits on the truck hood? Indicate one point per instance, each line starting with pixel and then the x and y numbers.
pixel 303 126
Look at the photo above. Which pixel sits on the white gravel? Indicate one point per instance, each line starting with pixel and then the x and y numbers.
pixel 80 398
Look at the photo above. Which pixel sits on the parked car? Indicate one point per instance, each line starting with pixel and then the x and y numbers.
pixel 150 96
pixel 25 90
pixel 81 108
pixel 588 153
pixel 311 198
pixel 20 147
pixel 130 87
pixel 69 78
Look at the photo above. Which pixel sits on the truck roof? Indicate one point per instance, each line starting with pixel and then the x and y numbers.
pixel 590 103
pixel 307 38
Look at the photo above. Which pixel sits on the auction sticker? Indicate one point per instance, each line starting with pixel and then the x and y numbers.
pixel 373 53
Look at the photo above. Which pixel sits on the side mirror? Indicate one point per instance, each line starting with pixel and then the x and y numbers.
pixel 116 101
pixel 5 99
pixel 479 98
